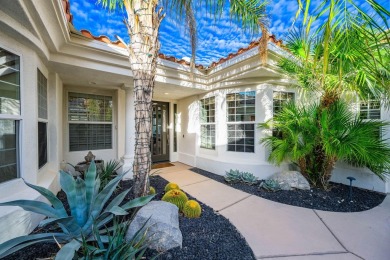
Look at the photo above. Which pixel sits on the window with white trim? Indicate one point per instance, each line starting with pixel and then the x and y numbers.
pixel 42 119
pixel 241 110
pixel 90 122
pixel 279 99
pixel 207 123
pixel 370 109
pixel 9 115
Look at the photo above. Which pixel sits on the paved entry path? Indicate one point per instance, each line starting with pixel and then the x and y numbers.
pixel 278 231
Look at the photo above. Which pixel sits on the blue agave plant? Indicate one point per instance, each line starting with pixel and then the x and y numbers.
pixel 87 212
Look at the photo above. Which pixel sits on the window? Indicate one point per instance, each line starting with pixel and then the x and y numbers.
pixel 42 119
pixel 370 109
pixel 241 108
pixel 207 123
pixel 9 115
pixel 280 99
pixel 90 122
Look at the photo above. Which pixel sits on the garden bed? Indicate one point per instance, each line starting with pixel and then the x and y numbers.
pixel 336 199
pixel 211 236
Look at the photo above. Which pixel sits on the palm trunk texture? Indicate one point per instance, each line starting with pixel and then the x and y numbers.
pixel 143 22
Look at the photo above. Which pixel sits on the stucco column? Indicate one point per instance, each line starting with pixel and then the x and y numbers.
pixel 128 158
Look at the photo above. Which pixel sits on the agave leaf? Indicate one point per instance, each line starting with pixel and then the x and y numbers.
pixel 68 185
pixel 81 206
pixel 67 251
pixel 138 202
pixel 69 225
pixel 117 200
pixel 6 248
pixel 57 204
pixel 33 206
pixel 118 211
pixel 26 244
pixel 51 220
pixel 96 191
pixel 90 182
pixel 100 201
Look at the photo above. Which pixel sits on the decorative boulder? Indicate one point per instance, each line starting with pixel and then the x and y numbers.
pixel 289 180
pixel 163 231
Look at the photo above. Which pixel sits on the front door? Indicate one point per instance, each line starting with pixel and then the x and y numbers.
pixel 159 145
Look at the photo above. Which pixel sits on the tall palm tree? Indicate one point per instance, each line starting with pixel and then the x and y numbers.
pixel 143 22
pixel 342 46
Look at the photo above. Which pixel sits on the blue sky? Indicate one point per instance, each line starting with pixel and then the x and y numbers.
pixel 216 39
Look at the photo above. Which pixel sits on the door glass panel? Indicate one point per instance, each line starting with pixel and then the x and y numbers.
pixel 160 139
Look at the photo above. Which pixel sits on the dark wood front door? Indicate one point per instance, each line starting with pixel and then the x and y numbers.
pixel 159 145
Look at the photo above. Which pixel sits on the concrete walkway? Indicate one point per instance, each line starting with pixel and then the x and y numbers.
pixel 278 231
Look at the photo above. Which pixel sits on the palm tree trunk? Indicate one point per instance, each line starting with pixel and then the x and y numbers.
pixel 143 24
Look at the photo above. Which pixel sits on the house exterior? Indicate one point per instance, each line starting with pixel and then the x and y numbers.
pixel 64 93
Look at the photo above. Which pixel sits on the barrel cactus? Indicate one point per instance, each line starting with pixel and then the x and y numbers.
pixel 171 186
pixel 192 209
pixel 176 197
pixel 152 190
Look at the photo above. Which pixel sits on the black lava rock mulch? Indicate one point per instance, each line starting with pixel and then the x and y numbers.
pixel 336 199
pixel 211 236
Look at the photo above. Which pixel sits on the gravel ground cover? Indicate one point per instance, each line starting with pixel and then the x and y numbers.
pixel 211 236
pixel 336 199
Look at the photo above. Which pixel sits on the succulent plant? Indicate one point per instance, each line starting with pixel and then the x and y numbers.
pixel 270 185
pixel 87 212
pixel 249 178
pixel 233 176
pixel 176 197
pixel 192 209
pixel 171 186
pixel 152 190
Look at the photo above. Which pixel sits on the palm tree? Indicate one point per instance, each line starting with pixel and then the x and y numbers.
pixel 143 22
pixel 348 52
pixel 343 135
pixel 342 46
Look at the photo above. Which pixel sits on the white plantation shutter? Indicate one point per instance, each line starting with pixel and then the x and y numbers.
pixel 90 122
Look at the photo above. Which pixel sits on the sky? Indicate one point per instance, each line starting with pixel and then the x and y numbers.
pixel 216 38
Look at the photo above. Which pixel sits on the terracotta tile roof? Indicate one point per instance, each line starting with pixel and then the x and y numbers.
pixel 66 7
pixel 105 39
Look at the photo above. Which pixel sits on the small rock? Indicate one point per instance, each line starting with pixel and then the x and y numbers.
pixel 163 231
pixel 289 180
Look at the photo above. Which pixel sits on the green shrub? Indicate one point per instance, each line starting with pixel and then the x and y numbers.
pixel 315 138
pixel 108 172
pixel 87 212
pixel 113 244
pixel 176 197
pixel 192 209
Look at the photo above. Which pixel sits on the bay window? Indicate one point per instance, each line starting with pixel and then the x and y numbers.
pixel 241 108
